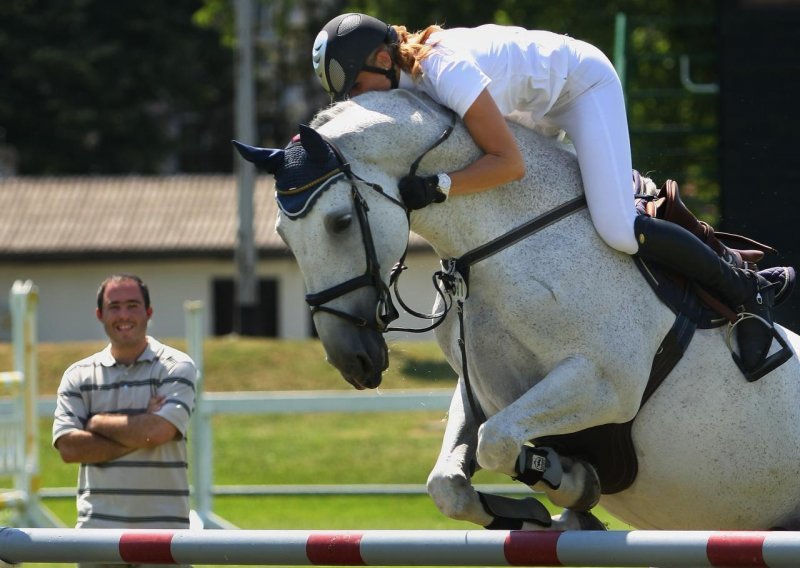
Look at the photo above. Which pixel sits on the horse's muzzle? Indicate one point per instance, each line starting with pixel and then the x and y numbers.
pixel 360 355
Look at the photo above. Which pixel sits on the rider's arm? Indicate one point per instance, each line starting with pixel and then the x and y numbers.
pixel 502 160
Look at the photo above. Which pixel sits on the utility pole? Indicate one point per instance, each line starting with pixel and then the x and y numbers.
pixel 247 316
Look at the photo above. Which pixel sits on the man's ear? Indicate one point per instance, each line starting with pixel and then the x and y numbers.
pixel 98 314
pixel 149 312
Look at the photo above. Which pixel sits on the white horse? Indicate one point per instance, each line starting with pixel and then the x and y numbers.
pixel 559 330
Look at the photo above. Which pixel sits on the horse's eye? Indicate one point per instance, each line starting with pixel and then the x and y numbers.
pixel 339 223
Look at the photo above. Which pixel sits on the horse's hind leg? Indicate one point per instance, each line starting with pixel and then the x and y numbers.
pixel 579 489
pixel 570 483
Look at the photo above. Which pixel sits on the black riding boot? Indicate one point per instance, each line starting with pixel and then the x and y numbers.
pixel 743 290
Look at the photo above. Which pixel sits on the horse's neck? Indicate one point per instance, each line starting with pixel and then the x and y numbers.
pixel 463 223
pixel 401 126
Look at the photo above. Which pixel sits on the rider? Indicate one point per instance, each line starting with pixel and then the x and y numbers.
pixel 541 80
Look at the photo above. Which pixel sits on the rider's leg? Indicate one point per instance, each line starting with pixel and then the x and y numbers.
pixel 597 125
pixel 676 211
pixel 596 122
pixel 678 249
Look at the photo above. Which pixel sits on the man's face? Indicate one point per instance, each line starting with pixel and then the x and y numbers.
pixel 124 315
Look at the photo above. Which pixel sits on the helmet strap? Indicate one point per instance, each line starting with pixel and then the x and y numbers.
pixel 390 73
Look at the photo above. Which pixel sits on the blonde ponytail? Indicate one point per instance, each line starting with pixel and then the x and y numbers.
pixel 412 49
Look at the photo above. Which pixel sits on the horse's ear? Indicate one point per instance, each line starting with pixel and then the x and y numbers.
pixel 314 144
pixel 268 159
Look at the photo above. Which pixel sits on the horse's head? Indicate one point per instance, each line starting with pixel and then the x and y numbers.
pixel 347 228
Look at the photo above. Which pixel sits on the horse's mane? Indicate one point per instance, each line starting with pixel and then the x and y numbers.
pixel 389 129
pixel 377 100
pixel 329 113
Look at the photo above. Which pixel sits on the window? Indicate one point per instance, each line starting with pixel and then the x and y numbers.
pixel 226 313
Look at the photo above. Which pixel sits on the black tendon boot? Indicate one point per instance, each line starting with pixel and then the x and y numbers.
pixel 744 290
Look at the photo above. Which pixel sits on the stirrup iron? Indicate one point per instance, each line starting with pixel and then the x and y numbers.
pixel 770 362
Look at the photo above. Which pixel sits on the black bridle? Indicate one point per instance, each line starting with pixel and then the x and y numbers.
pixel 385 311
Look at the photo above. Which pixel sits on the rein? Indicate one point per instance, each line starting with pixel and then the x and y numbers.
pixel 455 276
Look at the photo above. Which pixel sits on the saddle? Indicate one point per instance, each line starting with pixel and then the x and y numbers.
pixel 674 289
pixel 609 447
pixel 667 204
pixel 741 252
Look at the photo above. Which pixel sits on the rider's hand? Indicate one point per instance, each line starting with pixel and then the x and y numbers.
pixel 417 192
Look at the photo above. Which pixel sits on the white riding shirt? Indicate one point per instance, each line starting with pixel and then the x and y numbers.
pixel 548 82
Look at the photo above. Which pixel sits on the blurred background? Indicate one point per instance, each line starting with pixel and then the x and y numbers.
pixel 149 88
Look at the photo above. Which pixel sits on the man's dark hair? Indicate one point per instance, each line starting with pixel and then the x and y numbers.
pixel 119 277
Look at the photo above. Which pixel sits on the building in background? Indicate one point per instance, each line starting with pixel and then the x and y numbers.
pixel 176 232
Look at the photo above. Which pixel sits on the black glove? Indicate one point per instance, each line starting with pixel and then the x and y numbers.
pixel 417 192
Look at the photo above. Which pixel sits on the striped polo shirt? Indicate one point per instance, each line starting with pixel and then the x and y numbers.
pixel 149 487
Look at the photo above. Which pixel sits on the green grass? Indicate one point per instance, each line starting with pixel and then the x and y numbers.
pixel 395 447
pixel 323 448
pixel 233 364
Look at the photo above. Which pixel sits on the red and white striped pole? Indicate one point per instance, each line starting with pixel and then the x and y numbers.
pixel 406 548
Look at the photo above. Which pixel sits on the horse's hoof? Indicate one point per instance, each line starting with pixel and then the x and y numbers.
pixel 578 520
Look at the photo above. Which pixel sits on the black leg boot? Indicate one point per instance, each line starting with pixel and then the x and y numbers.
pixel 744 290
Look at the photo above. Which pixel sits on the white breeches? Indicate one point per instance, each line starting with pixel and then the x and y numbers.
pixel 594 118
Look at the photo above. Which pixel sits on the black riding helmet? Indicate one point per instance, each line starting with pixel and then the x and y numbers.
pixel 342 47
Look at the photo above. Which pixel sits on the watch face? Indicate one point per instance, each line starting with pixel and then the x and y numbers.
pixel 444 182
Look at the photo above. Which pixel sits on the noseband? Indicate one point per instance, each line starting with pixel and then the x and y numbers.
pixel 385 311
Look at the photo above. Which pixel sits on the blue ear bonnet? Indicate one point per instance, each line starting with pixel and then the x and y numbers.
pixel 303 170
pixel 302 179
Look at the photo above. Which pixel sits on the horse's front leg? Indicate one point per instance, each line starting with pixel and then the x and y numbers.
pixel 449 483
pixel 573 396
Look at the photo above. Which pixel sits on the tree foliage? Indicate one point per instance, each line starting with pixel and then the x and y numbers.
pixel 673 131
pixel 91 86
pixel 287 90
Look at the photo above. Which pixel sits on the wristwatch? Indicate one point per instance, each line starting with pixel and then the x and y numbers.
pixel 443 184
